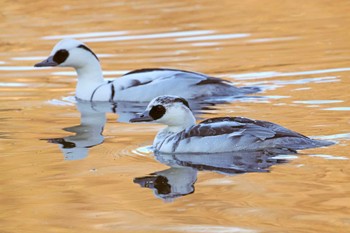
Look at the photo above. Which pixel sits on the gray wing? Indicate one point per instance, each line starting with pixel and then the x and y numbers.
pixel 148 76
pixel 245 134
pixel 146 84
pixel 237 126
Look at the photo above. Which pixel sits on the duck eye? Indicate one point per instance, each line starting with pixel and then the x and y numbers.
pixel 157 112
pixel 60 56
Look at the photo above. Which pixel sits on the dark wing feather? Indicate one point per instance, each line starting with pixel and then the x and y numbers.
pixel 202 78
pixel 212 80
pixel 236 126
pixel 145 70
pixel 211 127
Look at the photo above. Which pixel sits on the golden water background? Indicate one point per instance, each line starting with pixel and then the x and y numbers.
pixel 298 50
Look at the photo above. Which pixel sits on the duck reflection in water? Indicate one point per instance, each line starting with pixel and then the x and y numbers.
pixel 87 134
pixel 93 119
pixel 179 179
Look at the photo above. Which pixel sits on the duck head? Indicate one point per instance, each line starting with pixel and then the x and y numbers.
pixel 168 110
pixel 69 53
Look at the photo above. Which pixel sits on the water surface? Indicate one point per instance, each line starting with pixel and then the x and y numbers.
pixel 69 168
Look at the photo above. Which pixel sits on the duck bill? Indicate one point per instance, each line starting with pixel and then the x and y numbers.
pixel 145 117
pixel 48 62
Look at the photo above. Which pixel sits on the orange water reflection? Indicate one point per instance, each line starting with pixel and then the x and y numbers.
pixel 298 51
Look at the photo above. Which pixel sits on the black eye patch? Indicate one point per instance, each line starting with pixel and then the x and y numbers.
pixel 60 56
pixel 157 112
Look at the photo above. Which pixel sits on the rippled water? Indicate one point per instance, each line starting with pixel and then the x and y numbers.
pixel 69 167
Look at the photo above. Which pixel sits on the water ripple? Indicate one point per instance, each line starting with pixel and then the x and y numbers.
pixel 19 68
pixel 271 85
pixel 334 136
pixel 85 35
pixel 215 37
pixel 271 74
pixel 338 109
pixel 27 58
pixel 210 229
pixel 151 36
pixel 143 151
pixel 317 101
pixel 265 40
pixel 13 85
pixel 204 44
pixel 329 157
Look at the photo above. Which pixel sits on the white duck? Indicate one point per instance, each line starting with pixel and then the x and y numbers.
pixel 222 134
pixel 138 85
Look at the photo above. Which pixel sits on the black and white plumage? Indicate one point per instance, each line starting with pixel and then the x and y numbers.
pixel 138 85
pixel 222 134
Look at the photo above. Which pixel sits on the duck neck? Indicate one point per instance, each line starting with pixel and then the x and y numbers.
pixel 185 123
pixel 89 78
pixel 173 129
